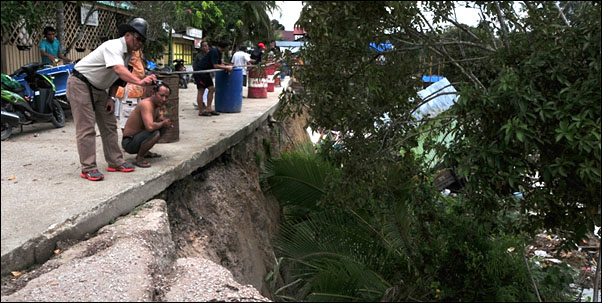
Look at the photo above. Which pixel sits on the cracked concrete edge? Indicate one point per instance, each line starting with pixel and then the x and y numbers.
pixel 40 248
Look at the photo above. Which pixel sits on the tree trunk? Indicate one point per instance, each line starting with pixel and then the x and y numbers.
pixel 60 24
pixel 169 63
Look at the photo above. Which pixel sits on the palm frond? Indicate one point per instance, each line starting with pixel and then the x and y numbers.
pixel 297 180
pixel 336 255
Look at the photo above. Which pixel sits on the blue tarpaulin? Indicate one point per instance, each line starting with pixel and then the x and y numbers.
pixel 432 79
pixel 381 46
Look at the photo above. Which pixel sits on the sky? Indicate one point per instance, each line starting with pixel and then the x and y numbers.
pixel 290 11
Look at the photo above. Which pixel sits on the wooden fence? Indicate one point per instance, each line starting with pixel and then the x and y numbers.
pixel 108 20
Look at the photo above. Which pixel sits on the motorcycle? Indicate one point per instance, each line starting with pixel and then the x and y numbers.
pixel 184 78
pixel 20 108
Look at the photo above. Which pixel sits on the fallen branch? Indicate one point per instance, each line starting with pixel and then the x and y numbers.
pixel 597 275
pixel 531 276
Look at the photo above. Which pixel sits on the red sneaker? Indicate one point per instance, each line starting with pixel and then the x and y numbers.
pixel 93 175
pixel 125 167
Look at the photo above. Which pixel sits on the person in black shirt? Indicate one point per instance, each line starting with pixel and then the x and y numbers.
pixel 212 60
pixel 201 97
pixel 258 53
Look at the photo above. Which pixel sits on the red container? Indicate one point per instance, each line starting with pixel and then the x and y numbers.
pixel 270 69
pixel 276 78
pixel 258 85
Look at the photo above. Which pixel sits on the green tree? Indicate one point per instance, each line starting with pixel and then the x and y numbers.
pixel 256 21
pixel 235 21
pixel 527 119
pixel 167 17
pixel 411 245
pixel 276 25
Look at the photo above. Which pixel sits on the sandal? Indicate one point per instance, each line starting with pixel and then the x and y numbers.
pixel 214 113
pixel 152 155
pixel 142 163
pixel 206 114
pixel 125 167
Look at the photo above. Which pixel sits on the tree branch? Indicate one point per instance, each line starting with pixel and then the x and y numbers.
pixel 418 46
pixel 469 74
pixel 427 130
pixel 561 13
pixel 461 27
pixel 502 21
pixel 531 276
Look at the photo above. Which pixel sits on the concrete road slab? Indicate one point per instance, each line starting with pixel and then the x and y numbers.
pixel 45 200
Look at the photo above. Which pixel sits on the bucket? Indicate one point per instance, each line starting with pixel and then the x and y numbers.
pixel 228 91
pixel 170 110
pixel 258 85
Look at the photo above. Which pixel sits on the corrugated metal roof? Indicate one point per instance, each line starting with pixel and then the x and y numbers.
pixel 287 35
pixel 117 4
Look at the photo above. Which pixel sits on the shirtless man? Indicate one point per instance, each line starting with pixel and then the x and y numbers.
pixel 146 125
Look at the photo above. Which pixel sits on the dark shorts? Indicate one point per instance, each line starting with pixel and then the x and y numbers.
pixel 203 80
pixel 132 144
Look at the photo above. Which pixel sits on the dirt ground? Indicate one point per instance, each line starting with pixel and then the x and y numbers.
pixel 547 250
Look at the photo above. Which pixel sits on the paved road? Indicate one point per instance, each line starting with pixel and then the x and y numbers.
pixel 44 199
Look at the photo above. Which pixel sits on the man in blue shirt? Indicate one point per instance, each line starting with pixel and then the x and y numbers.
pixel 212 60
pixel 50 48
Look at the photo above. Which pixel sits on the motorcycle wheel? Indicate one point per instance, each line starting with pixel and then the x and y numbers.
pixel 58 114
pixel 7 130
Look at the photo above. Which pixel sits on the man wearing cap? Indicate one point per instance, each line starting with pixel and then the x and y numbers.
pixel 258 53
pixel 104 68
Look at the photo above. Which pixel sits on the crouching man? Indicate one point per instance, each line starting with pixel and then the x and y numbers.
pixel 146 125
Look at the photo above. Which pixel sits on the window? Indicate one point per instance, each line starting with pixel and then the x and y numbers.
pixel 183 51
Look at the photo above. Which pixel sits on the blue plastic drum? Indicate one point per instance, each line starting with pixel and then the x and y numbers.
pixel 228 91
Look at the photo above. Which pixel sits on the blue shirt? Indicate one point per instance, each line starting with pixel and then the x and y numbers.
pixel 52 48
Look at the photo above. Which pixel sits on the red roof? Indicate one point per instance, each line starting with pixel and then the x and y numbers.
pixel 287 35
pixel 299 31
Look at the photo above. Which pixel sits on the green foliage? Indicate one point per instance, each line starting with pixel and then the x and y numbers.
pixel 403 249
pixel 297 180
pixel 177 15
pixel 527 120
pixel 219 20
pixel 536 126
pixel 243 21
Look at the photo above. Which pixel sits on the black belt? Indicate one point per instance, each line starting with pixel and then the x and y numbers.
pixel 80 76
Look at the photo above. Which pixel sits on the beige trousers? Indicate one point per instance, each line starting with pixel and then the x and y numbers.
pixel 85 118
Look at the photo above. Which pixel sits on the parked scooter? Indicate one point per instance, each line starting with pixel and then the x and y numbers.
pixel 155 67
pixel 19 108
pixel 184 78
